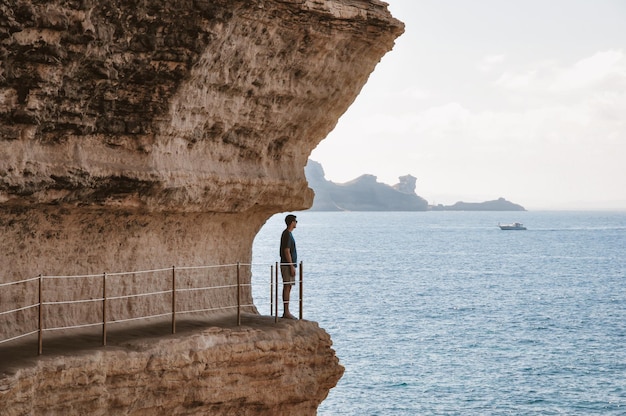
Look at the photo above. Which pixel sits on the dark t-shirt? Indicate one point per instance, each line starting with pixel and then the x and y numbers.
pixel 287 241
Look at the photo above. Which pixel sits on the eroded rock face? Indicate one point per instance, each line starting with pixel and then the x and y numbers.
pixel 260 368
pixel 200 112
pixel 142 134
pixel 177 105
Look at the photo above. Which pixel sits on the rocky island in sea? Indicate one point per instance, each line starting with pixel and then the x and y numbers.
pixel 499 204
pixel 365 193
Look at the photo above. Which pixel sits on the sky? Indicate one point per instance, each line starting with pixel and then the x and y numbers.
pixel 483 99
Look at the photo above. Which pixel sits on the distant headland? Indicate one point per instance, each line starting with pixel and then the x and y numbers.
pixel 365 193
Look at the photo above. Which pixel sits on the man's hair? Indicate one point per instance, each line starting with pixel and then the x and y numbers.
pixel 289 218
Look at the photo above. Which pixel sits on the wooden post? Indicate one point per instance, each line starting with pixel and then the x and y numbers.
pixel 301 276
pixel 238 295
pixel 104 309
pixel 40 349
pixel 173 299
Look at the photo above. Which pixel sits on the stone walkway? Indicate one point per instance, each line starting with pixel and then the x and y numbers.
pixel 23 352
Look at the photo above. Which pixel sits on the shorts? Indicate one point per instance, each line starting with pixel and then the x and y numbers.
pixel 285 271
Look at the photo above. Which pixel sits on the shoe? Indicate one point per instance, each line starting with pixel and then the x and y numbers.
pixel 289 316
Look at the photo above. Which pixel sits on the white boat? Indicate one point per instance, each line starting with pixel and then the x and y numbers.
pixel 514 226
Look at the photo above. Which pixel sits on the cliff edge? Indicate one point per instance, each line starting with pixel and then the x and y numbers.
pixel 142 134
pixel 209 368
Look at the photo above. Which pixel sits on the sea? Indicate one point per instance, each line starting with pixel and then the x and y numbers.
pixel 443 313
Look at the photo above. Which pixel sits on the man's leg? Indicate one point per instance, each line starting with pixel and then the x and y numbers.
pixel 286 294
pixel 287 283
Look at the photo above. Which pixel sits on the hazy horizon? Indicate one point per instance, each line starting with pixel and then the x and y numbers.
pixel 488 99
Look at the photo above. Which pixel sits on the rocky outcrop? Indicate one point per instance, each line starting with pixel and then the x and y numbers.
pixel 499 204
pixel 170 107
pixel 406 184
pixel 364 193
pixel 260 368
pixel 142 134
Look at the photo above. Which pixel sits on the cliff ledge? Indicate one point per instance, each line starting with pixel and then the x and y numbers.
pixel 207 368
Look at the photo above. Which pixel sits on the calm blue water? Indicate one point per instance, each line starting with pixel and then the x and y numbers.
pixel 442 313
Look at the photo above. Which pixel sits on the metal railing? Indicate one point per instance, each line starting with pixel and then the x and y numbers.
pixel 274 294
pixel 175 291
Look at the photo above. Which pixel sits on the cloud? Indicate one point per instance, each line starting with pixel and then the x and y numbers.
pixel 539 76
pixel 445 117
pixel 489 62
pixel 591 71
pixel 415 93
pixel 606 69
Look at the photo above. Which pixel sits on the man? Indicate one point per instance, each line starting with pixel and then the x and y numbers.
pixel 288 260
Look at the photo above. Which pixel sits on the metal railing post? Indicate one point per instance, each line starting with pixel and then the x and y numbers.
pixel 173 299
pixel 104 309
pixel 40 341
pixel 238 294
pixel 271 290
pixel 276 294
pixel 300 294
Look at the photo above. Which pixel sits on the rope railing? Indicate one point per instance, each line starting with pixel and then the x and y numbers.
pixel 20 309
pixel 19 281
pixel 103 306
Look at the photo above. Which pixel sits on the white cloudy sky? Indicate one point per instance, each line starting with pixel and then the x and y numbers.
pixel 482 99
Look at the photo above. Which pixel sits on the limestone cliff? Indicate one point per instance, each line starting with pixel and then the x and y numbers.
pixel 143 133
pixel 259 368
pixel 146 133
